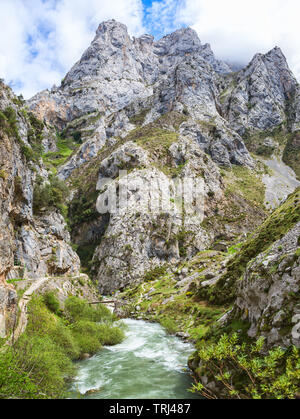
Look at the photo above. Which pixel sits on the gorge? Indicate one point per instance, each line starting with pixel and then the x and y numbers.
pixel 138 111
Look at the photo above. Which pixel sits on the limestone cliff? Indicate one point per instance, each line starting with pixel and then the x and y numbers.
pixel 165 109
pixel 31 245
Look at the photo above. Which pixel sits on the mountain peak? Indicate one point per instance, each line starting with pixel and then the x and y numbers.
pixel 110 25
pixel 276 51
pixel 180 42
pixel 112 31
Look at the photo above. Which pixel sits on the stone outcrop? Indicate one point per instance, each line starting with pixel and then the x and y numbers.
pixel 8 309
pixel 268 295
pixel 258 96
pixel 39 244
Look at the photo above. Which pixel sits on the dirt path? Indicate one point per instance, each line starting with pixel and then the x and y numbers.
pixel 23 319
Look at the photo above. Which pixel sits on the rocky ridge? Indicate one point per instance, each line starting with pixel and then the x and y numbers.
pixel 160 109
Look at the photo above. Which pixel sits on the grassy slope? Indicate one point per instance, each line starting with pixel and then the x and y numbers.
pixel 275 227
pixel 38 365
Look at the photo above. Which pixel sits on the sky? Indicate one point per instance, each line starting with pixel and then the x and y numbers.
pixel 40 40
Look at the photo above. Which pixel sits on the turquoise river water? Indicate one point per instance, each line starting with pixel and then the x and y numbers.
pixel 148 364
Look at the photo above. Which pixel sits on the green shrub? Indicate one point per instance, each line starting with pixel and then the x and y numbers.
pixel 242 371
pixel 169 325
pixel 109 335
pixel 40 320
pixel 51 302
pixel 155 273
pixel 9 123
pixel 62 337
pixel 15 382
pixel 77 137
pixel 77 309
pixel 52 194
pixel 47 363
pixel 86 336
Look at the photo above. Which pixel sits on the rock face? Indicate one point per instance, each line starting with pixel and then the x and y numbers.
pixel 31 246
pixel 258 96
pixel 268 295
pixel 8 309
pixel 37 244
pixel 160 110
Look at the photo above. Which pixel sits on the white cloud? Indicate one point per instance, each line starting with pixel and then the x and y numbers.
pixel 59 31
pixel 238 29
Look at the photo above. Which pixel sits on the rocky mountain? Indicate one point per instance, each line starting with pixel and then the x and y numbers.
pixel 161 109
pixel 160 112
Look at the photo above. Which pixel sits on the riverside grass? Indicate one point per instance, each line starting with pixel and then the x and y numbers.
pixel 39 365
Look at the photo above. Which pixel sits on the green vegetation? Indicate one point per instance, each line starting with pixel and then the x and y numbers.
pixel 40 363
pixel 274 228
pixel 83 207
pixel 157 137
pixel 154 139
pixel 14 280
pixel 242 371
pixel 155 273
pixel 86 253
pixel 9 124
pixel 51 302
pixel 255 141
pixel 139 118
pixel 169 324
pixel 247 183
pixel 174 309
pixel 234 249
pixel 3 174
pixel 52 194
pixel 66 147
pixel 291 154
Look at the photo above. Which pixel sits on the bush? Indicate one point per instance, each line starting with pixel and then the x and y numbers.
pixel 86 336
pixel 52 302
pixel 109 335
pixel 9 123
pixel 15 382
pixel 77 309
pixel 155 273
pixel 40 321
pixel 242 371
pixel 77 137
pixel 169 325
pixel 46 362
pixel 52 194
pixel 62 336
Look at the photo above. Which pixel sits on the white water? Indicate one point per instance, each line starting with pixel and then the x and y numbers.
pixel 148 364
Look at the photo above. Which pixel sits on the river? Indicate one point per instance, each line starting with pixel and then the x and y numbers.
pixel 148 364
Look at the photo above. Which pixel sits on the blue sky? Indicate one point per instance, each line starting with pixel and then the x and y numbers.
pixel 41 39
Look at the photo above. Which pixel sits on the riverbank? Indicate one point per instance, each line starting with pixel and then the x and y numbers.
pixel 41 362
